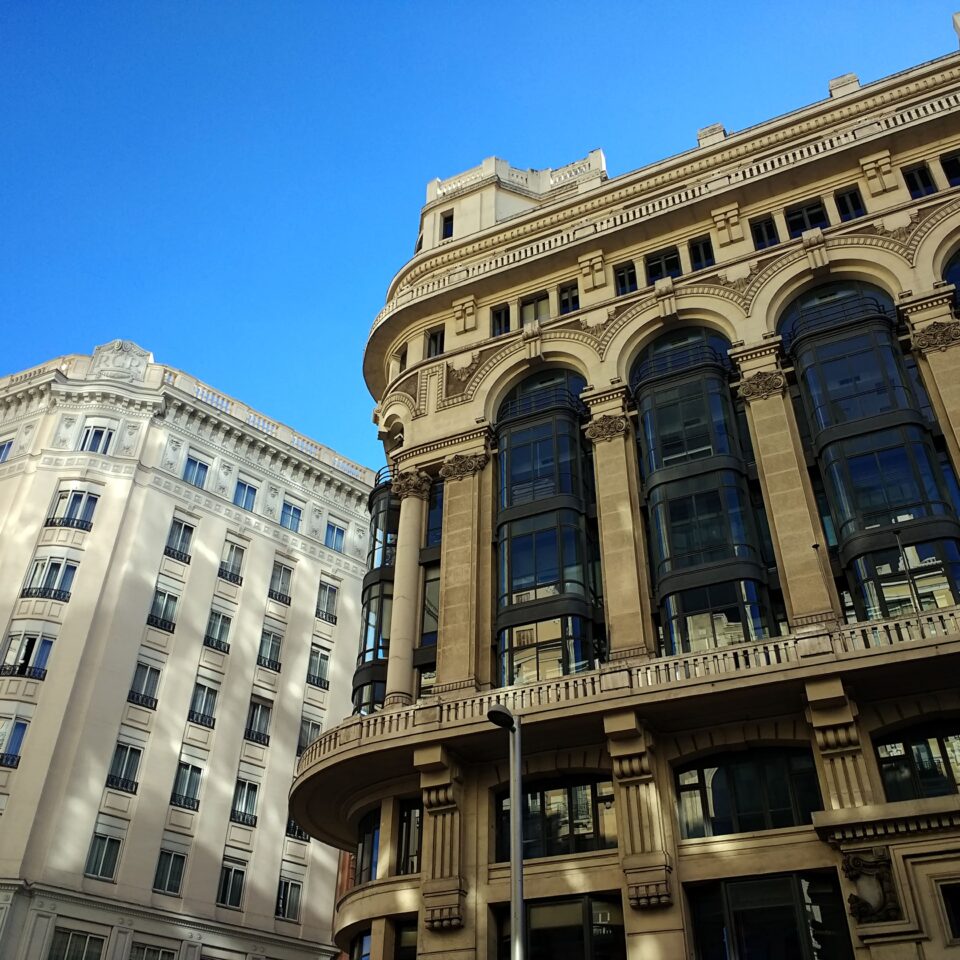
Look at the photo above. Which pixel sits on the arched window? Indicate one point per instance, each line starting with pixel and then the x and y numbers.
pixel 549 615
pixel 922 761
pixel 951 272
pixel 886 489
pixel 711 561
pixel 760 789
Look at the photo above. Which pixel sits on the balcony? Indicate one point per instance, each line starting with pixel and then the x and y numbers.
pixel 168 626
pixel 255 736
pixel 201 719
pixel 279 597
pixel 11 760
pixel 46 593
pixel 297 832
pixel 225 573
pixel 175 554
pixel 74 523
pixel 121 783
pixel 269 664
pixel 247 819
pixel 23 670
pixel 185 802
pixel 214 644
pixel 876 656
pixel 326 617
pixel 142 700
pixel 315 681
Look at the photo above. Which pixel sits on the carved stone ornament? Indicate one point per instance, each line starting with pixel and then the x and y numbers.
pixel 462 465
pixel 876 898
pixel 62 440
pixel 766 383
pixel 129 442
pixel 463 374
pixel 607 427
pixel 120 360
pixel 412 483
pixel 173 453
pixel 938 335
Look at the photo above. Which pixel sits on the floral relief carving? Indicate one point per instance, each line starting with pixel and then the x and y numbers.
pixel 462 465
pixel 938 335
pixel 606 427
pixel 63 434
pixel 762 385
pixel 463 374
pixel 412 483
pixel 129 443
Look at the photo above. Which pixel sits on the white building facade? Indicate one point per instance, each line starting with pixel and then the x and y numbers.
pixel 179 600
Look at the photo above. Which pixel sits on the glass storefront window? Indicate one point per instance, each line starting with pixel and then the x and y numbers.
pixel 715 615
pixel 921 762
pixel 580 928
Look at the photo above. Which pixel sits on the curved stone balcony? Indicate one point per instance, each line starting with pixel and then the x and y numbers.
pixel 363 754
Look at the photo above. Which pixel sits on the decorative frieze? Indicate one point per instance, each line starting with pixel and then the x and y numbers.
pixel 761 385
pixel 412 483
pixel 938 335
pixel 462 465
pixel 606 427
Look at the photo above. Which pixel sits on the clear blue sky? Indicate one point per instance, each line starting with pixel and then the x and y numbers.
pixel 233 184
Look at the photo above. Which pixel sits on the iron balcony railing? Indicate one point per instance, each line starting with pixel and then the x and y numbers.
pixel 317 681
pixel 23 670
pixel 187 803
pixel 46 593
pixel 269 664
pixel 326 617
pixel 202 719
pixel 142 700
pixel 296 831
pixel 255 736
pixel 225 573
pixel 121 783
pixel 73 522
pixel 214 644
pixel 247 819
pixel 176 554
pixel 11 760
pixel 279 597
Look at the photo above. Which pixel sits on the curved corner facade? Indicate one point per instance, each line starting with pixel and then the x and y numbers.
pixel 674 477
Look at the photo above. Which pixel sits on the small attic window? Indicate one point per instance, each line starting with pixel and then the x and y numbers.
pixel 446 225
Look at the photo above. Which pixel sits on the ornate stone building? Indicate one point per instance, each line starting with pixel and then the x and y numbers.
pixel 179 602
pixel 672 475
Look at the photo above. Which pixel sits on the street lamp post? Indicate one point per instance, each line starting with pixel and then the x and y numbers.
pixel 500 716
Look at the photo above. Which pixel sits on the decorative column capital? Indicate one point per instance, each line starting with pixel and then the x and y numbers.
pixel 606 427
pixel 762 385
pixel 411 483
pixel 462 465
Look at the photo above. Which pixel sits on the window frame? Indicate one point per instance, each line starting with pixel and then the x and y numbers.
pixel 662 264
pixel 434 343
pixel 283 910
pixel 195 471
pixel 808 215
pixel 764 232
pixel 335 536
pixel 919 180
pixel 568 297
pixel 625 278
pixel 99 855
pixel 228 887
pixel 291 515
pixel 500 320
pixel 844 200
pixel 173 855
pixel 245 495
pixel 701 253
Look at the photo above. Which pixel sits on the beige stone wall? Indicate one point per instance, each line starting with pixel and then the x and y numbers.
pixel 52 801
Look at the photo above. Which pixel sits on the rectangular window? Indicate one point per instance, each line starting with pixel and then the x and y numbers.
pixel 950 894
pixel 203 704
pixel 430 618
pixel 701 253
pixel 402 359
pixel 435 514
pixel 290 516
pixel 218 627
pixel 244 809
pixel 124 768
pixel 269 654
pixel 625 278
pixel 74 508
pixel 26 655
pixel 288 899
pixel 74 945
pixel 500 320
pixel 51 577
pixel 318 667
pixel 918 181
pixel 534 308
pixel 951 170
pixel 764 233
pixel 231 563
pixel 569 297
pixel 96 439
pixel 334 537
pixel 145 681
pixel 169 875
pixel 849 204
pixel 195 471
pixel 179 539
pixel 806 216
pixel 5 447
pixel 258 722
pixel 280 580
pixel 435 342
pixel 142 951
pixel 163 611
pixel 410 839
pixel 663 263
pixel 309 731
pixel 327 598
pixel 245 495
pixel 12 732
pixel 230 888
pixel 186 786
pixel 446 225
pixel 103 856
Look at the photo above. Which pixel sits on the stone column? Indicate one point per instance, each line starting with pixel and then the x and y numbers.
pixel 465 564
pixel 844 780
pixel 798 538
pixel 623 549
pixel 935 333
pixel 441 882
pixel 413 489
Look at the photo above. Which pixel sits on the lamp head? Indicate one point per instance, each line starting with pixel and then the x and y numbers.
pixel 500 716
